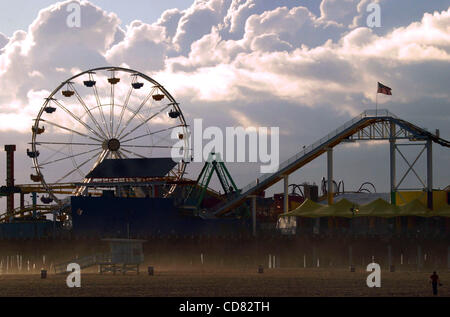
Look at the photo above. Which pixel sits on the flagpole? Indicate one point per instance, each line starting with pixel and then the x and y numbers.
pixel 376 104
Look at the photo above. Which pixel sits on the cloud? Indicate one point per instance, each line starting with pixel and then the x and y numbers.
pixel 169 20
pixel 270 42
pixel 3 40
pixel 283 50
pixel 350 67
pixel 240 11
pixel 406 12
pixel 143 46
pixel 296 26
pixel 33 59
pixel 273 63
pixel 343 12
pixel 197 21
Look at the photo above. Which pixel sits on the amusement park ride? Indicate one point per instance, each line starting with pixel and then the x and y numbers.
pixel 82 124
pixel 116 114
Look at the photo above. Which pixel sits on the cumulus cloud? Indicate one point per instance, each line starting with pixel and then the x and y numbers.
pixel 243 60
pixel 3 40
pixel 32 60
pixel 343 12
pixel 169 20
pixel 240 11
pixel 406 12
pixel 143 46
pixel 197 21
pixel 296 26
pixel 265 63
pixel 229 47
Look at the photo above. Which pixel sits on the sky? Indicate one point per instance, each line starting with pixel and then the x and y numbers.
pixel 301 65
pixel 17 15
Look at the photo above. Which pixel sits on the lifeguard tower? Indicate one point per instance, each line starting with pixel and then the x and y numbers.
pixel 126 256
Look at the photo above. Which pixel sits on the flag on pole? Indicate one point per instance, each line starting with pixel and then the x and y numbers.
pixel 382 89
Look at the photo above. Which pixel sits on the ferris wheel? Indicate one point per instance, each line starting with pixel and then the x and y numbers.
pixel 105 113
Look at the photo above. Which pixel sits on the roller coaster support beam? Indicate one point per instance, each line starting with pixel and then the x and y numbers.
pixel 392 161
pixel 22 203
pixel 34 198
pixel 430 174
pixel 10 178
pixel 253 197
pixel 330 175
pixel 286 193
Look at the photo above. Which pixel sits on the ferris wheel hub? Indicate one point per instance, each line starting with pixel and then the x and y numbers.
pixel 111 144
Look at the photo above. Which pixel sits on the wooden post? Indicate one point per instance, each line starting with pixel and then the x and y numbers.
pixel 254 215
pixel 260 269
pixel 448 258
pixel 419 257
pixel 389 256
pixel 350 256
pixel 286 194
pixel 314 256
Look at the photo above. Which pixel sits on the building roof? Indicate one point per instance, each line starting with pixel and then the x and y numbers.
pixel 376 208
pixel 360 198
pixel 131 168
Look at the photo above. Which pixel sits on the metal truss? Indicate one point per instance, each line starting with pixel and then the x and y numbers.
pixel 381 130
pixel 410 170
pixel 370 125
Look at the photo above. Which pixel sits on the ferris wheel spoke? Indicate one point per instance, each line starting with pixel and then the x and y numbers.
pixel 135 113
pixel 125 105
pixel 55 152
pixel 111 113
pixel 153 146
pixel 78 166
pixel 147 120
pixel 76 118
pixel 150 106
pixel 118 155
pixel 100 158
pixel 131 152
pixel 164 138
pixel 99 105
pixel 87 110
pixel 152 133
pixel 64 143
pixel 70 130
pixel 122 154
pixel 67 157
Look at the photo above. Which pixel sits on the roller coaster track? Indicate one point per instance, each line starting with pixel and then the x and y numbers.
pixel 29 209
pixel 355 129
